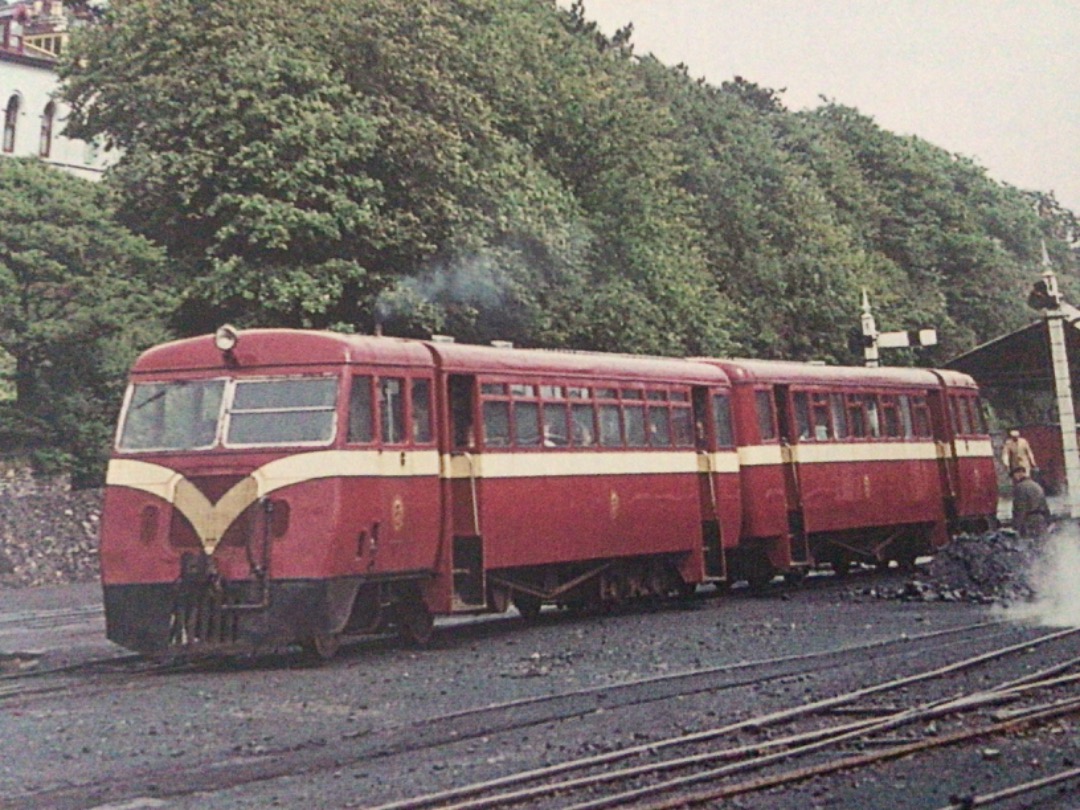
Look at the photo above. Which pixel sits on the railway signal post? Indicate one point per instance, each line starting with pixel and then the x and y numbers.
pixel 874 341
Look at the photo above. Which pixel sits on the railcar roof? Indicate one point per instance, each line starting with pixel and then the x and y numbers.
pixel 792 372
pixel 465 358
pixel 266 348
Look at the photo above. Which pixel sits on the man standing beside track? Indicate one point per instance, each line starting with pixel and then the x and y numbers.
pixel 1016 452
pixel 1030 512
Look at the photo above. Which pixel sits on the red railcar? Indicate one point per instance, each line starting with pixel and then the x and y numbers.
pixel 297 485
pixel 840 465
pixel 275 487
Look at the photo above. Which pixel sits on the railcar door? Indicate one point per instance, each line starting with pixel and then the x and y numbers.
pixel 466 538
pixel 945 442
pixel 402 532
pixel 710 485
pixel 796 518
pixel 716 482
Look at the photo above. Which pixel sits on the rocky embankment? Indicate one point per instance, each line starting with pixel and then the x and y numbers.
pixel 48 532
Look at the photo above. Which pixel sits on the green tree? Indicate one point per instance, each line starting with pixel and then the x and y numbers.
pixel 243 157
pixel 500 168
pixel 968 247
pixel 383 152
pixel 79 296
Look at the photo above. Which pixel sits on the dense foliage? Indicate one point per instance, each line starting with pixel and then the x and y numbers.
pixel 500 169
pixel 79 296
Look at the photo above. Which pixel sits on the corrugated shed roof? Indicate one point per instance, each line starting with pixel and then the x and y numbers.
pixel 1019 359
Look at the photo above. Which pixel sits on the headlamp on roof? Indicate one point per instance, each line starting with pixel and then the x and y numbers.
pixel 226 338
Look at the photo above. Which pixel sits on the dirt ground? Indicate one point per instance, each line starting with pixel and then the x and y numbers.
pixel 177 740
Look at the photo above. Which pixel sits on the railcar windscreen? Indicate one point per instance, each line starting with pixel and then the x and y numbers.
pixel 180 415
pixel 186 414
pixel 296 411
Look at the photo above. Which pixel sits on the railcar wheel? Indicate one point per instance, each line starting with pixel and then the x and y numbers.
pixel 498 598
pixel 323 647
pixel 906 562
pixel 527 605
pixel 759 580
pixel 415 623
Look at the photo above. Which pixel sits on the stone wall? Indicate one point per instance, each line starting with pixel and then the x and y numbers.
pixel 48 533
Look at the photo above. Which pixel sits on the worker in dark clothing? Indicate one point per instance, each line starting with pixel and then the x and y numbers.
pixel 1030 512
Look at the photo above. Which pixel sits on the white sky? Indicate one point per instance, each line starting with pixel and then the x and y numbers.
pixel 997 81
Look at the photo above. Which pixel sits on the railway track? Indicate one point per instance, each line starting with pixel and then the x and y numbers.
pixel 49 619
pixel 365 746
pixel 605 780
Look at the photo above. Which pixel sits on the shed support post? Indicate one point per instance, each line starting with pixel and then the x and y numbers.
pixel 1055 328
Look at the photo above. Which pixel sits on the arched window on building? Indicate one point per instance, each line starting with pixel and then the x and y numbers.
pixel 11 118
pixel 47 118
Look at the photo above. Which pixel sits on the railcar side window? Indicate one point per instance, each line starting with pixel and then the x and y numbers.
pixel 819 413
pixel 766 421
pixel 659 426
pixel 682 426
pixel 421 410
pixel 961 422
pixel 181 415
pixel 722 421
pixel 555 434
pixel 802 415
pixel 980 414
pixel 522 390
pixel 610 426
pixel 634 415
pixel 839 415
pixel 873 416
pixel 392 409
pixel 584 434
pixel 360 416
pixel 288 411
pixel 905 416
pixel 920 417
pixel 974 415
pixel 461 411
pixel 856 416
pixel 891 415
pixel 496 424
pixel 526 423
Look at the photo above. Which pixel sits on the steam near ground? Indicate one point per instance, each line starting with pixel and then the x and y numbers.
pixel 1055 579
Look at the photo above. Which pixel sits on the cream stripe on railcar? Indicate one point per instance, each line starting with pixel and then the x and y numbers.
pixel 212 520
pixel 550 464
pixel 828 453
pixel 974 448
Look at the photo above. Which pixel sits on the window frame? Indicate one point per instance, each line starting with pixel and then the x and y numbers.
pixel 229 410
pixel 11 123
pixel 768 429
pixel 48 120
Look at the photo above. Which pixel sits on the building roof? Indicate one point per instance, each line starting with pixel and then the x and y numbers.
pixel 1020 359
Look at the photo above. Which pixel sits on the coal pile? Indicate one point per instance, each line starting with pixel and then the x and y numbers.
pixel 991 568
pixel 48 532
